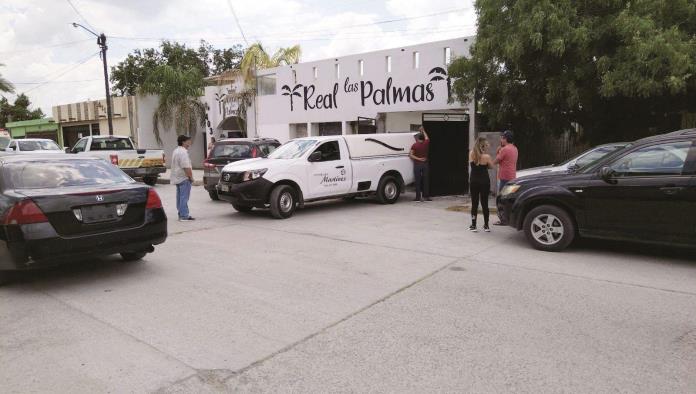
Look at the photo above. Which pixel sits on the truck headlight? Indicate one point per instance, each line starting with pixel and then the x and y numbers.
pixel 509 189
pixel 253 174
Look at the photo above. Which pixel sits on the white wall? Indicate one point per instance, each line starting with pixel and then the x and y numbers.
pixel 146 138
pixel 345 93
pixel 402 121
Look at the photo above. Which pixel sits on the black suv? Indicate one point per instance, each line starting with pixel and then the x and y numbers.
pixel 645 192
pixel 230 150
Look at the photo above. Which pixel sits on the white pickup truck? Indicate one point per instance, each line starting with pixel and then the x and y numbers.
pixel 119 150
pixel 319 168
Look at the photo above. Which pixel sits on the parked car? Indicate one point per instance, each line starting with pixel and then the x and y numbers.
pixel 145 164
pixel 319 168
pixel 33 145
pixel 644 192
pixel 574 163
pixel 229 151
pixel 55 209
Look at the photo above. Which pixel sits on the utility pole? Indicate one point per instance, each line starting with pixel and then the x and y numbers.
pixel 101 41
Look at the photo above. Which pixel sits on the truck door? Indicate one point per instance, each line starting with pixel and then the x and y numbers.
pixel 331 174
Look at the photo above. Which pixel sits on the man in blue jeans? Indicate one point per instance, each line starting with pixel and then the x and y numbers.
pixel 182 177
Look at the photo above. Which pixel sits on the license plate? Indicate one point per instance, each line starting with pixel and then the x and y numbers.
pixel 224 188
pixel 98 213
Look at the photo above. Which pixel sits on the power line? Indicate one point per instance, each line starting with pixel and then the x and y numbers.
pixel 80 14
pixel 46 82
pixel 229 2
pixel 64 44
pixel 63 73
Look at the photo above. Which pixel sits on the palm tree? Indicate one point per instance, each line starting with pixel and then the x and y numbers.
pixel 256 58
pixel 179 105
pixel 5 85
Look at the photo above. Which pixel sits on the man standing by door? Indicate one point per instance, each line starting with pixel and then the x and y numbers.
pixel 506 159
pixel 182 177
pixel 419 155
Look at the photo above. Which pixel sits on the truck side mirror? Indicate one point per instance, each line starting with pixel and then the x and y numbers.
pixel 9 149
pixel 315 156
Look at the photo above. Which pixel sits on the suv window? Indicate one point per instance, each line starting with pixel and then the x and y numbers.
pixel 329 151
pixel 231 150
pixel 80 146
pixel 661 159
pixel 596 154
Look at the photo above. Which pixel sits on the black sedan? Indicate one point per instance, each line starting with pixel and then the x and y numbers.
pixel 55 210
pixel 645 192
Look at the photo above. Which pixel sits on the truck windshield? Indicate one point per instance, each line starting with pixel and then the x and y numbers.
pixel 292 149
pixel 112 143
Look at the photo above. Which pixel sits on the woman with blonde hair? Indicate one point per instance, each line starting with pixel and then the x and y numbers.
pixel 479 182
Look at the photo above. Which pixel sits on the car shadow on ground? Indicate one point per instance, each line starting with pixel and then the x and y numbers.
pixel 77 273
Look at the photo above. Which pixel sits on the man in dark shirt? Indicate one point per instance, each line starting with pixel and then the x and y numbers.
pixel 419 155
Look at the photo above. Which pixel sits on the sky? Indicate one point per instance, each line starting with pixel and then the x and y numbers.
pixel 54 63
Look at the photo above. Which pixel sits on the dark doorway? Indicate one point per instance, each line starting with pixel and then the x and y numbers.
pixel 449 151
pixel 367 125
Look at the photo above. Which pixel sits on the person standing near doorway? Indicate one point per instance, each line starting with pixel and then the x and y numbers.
pixel 479 182
pixel 182 177
pixel 419 155
pixel 506 159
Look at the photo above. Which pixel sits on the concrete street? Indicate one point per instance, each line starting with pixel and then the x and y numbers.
pixel 353 297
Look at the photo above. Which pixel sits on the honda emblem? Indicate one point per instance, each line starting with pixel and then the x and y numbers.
pixel 100 198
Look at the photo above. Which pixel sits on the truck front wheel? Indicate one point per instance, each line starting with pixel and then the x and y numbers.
pixel 388 190
pixel 283 202
pixel 150 180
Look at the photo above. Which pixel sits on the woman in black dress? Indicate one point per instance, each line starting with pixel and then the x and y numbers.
pixel 479 182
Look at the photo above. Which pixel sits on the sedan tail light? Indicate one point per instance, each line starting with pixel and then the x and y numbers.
pixel 254 152
pixel 207 164
pixel 24 212
pixel 153 200
pixel 114 159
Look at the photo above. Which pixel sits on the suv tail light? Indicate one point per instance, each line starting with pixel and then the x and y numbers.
pixel 114 159
pixel 207 164
pixel 254 152
pixel 164 159
pixel 24 212
pixel 153 200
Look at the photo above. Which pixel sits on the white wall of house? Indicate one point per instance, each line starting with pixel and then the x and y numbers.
pixel 146 137
pixel 364 85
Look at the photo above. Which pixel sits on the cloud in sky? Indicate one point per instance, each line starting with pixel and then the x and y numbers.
pixel 38 43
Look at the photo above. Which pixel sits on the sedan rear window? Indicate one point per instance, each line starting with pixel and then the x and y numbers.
pixel 53 174
pixel 232 151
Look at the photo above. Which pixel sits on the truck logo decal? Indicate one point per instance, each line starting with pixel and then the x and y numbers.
pixel 384 144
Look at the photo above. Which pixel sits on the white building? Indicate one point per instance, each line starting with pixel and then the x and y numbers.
pixel 394 90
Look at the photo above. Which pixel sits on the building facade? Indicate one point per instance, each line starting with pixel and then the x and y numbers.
pixel 389 91
pixel 77 120
pixel 35 128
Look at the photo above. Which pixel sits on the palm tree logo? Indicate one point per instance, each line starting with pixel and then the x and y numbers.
pixel 291 93
pixel 440 74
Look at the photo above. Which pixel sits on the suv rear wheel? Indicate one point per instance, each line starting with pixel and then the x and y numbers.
pixel 549 228
pixel 242 208
pixel 213 195
pixel 150 180
pixel 283 201
pixel 133 256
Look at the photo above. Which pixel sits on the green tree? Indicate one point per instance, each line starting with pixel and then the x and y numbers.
pixel 20 110
pixel 5 85
pixel 128 75
pixel 620 69
pixel 178 91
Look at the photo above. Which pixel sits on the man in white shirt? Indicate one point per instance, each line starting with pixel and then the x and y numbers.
pixel 182 177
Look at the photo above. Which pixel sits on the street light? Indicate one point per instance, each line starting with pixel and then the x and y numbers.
pixel 101 41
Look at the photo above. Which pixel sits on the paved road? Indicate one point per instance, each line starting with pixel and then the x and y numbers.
pixel 353 297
